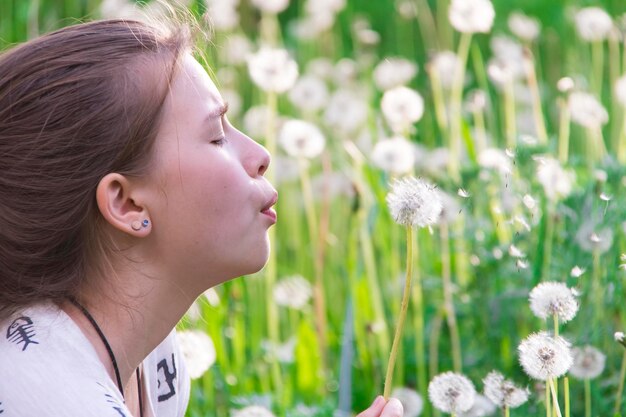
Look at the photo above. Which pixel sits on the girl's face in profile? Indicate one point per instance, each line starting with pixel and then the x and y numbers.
pixel 212 204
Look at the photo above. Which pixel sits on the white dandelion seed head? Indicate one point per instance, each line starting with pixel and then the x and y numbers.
pixel 553 298
pixel 543 356
pixel 393 72
pixel 451 392
pixel 620 90
pixel 253 411
pixel 270 6
pixel 394 155
pixel 503 392
pixel 593 24
pixel 346 111
pixel 402 107
pixel 223 15
pixel 321 68
pixel 301 139
pixel 451 207
pixel 482 407
pixel 272 69
pixel 557 182
pixel 588 362
pixel 586 110
pixel 345 71
pixel 590 239
pixel 333 6
pixel 510 52
pixel 476 101
pixel 406 9
pixel 471 16
pixel 445 65
pixel 309 94
pixel 255 120
pixel 414 202
pixel 293 291
pixel 236 49
pixel 412 402
pixel 281 352
pixel 565 84
pixel 495 159
pixel 523 26
pixel 332 185
pixel 577 271
pixel 198 351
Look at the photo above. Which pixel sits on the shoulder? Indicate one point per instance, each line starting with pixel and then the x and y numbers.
pixel 166 378
pixel 52 369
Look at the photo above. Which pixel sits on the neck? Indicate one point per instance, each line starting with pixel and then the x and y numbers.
pixel 134 325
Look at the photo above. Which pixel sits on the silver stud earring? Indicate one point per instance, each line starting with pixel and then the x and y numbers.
pixel 136 225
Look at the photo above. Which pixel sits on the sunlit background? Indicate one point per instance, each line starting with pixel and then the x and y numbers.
pixel 514 110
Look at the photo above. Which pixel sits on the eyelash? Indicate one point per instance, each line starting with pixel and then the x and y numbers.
pixel 219 141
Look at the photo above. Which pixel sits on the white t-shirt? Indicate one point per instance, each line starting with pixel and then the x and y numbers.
pixel 48 368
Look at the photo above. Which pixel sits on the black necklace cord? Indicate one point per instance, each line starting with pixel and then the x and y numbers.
pixel 111 354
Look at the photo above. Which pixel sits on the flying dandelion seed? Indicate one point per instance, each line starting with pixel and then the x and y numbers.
pixel 463 193
pixel 515 252
pixel 543 357
pixel 577 271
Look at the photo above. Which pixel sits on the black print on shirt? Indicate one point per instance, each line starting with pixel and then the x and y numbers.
pixel 115 404
pixel 21 331
pixel 168 378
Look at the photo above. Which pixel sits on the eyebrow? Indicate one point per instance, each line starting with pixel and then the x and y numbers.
pixel 219 112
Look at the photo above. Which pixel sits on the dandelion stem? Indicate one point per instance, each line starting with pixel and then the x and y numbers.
pixel 566 394
pixel 564 127
pixel 597 59
pixel 507 411
pixel 510 125
pixel 418 308
pixel 548 402
pixel 587 397
pixel 547 244
pixel 620 146
pixel 272 308
pixel 481 134
pixel 455 106
pixel 401 317
pixel 555 398
pixel 620 389
pixel 447 298
pixel 531 75
pixel 438 100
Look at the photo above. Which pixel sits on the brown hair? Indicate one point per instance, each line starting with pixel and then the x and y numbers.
pixel 75 105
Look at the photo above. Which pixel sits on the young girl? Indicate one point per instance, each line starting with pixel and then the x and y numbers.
pixel 125 193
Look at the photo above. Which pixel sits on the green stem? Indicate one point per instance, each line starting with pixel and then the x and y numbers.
pixel 548 402
pixel 418 308
pixel 455 107
pixel 620 146
pixel 555 398
pixel 507 411
pixel 620 389
pixel 566 394
pixel 597 59
pixel 587 397
pixel 509 114
pixel 447 297
pixel 531 75
pixel 481 133
pixel 403 309
pixel 564 126
pixel 272 308
pixel 547 245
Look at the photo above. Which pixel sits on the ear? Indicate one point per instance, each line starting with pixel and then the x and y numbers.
pixel 121 206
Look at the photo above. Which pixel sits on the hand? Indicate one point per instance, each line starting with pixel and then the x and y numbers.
pixel 382 408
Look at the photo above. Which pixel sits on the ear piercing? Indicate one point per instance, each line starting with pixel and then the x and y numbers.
pixel 136 225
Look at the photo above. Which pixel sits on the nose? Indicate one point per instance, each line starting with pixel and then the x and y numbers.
pixel 255 158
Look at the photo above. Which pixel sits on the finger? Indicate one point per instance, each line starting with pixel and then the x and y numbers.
pixel 393 408
pixel 375 409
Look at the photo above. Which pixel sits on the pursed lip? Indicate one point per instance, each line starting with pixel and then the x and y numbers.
pixel 267 209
